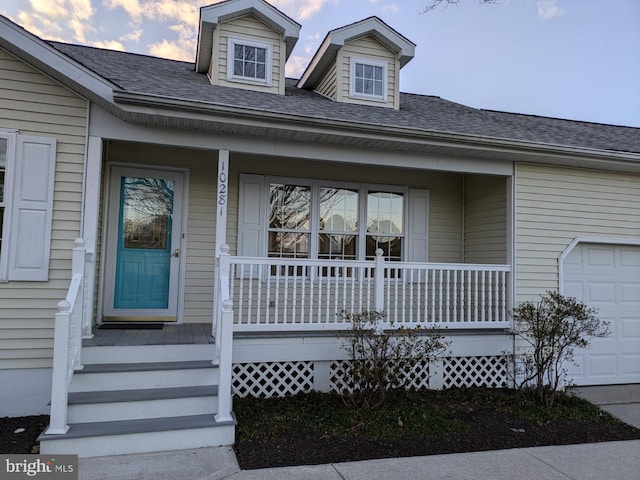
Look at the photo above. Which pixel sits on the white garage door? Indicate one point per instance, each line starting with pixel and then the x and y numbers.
pixel 607 277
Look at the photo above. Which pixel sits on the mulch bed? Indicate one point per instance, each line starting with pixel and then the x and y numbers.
pixel 15 440
pixel 485 428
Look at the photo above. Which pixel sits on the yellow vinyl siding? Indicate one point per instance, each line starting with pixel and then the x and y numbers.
pixel 368 48
pixel 36 105
pixel 485 222
pixel 328 84
pixel 250 28
pixel 556 204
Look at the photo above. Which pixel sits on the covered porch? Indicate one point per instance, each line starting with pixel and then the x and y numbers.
pixel 266 279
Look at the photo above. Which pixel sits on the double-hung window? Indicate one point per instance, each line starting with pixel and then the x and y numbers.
pixel 292 219
pixel 334 221
pixel 368 79
pixel 249 61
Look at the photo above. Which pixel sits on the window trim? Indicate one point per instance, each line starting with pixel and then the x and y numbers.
pixel 352 79
pixel 363 190
pixel 231 77
pixel 12 144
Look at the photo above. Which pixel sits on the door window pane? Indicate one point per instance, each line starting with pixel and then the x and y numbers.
pixel 147 204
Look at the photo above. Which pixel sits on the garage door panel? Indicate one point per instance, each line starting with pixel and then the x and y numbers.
pixel 631 329
pixel 631 365
pixel 630 257
pixel 630 293
pixel 602 365
pixel 574 289
pixel 600 257
pixel 601 293
pixel 607 277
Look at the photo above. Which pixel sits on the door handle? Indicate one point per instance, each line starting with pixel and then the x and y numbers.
pixel 176 253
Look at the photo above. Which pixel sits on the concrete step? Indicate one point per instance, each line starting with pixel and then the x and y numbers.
pixel 98 439
pixel 134 376
pixel 109 406
pixel 147 353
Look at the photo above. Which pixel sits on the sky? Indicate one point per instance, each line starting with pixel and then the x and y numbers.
pixel 574 59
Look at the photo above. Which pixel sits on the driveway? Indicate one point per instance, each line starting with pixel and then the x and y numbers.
pixel 621 401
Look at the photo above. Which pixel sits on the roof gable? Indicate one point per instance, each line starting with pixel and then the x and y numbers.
pixel 336 39
pixel 212 15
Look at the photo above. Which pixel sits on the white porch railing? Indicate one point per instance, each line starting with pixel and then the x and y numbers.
pixel 273 294
pixel 67 343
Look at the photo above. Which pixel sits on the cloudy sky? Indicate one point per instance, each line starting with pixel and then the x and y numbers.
pixel 577 59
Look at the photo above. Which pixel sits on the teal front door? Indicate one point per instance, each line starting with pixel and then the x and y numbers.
pixel 144 236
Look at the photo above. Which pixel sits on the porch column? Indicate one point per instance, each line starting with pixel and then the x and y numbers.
pixel 89 228
pixel 222 196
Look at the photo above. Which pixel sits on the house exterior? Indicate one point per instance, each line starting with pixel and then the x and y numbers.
pixel 244 211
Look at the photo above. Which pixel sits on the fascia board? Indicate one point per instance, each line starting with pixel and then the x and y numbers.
pixel 44 57
pixel 162 106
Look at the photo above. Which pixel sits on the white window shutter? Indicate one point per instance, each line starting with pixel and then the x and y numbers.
pixel 418 226
pixel 251 216
pixel 32 209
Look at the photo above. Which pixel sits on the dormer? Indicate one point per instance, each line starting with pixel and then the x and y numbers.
pixel 245 44
pixel 360 63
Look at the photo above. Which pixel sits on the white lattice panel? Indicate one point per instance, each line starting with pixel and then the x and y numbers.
pixel 414 377
pixel 272 379
pixel 489 371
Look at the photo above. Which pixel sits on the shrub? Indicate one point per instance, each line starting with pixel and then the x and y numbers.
pixel 381 360
pixel 552 330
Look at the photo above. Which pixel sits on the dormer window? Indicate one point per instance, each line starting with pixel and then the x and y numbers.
pixel 249 61
pixel 368 79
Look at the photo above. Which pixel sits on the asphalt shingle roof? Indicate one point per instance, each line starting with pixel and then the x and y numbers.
pixel 178 80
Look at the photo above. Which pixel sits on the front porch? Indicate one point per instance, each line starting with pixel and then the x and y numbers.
pixel 257 302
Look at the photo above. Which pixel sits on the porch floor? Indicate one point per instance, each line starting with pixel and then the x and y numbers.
pixel 182 334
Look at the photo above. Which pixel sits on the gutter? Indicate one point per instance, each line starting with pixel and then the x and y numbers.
pixel 269 119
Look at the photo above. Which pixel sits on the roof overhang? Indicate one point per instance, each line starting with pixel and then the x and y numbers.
pixel 228 119
pixel 335 39
pixel 212 15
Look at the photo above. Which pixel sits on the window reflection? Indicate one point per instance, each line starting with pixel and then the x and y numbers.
pixel 146 212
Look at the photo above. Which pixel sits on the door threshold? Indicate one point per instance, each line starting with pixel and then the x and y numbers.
pixel 131 326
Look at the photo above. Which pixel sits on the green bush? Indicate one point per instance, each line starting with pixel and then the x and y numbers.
pixel 382 360
pixel 551 330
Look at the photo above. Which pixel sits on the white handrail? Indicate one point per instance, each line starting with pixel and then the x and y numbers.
pixel 67 342
pixel 224 338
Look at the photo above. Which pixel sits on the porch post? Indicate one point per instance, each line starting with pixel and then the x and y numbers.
pixel 222 195
pixel 379 281
pixel 90 218
pixel 221 199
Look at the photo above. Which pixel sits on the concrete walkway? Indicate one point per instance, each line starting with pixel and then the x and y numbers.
pixel 592 461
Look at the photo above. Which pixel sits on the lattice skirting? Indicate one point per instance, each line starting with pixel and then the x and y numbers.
pixel 272 379
pixel 277 379
pixel 415 377
pixel 486 371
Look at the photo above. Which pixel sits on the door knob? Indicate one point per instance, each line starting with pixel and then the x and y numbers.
pixel 176 253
